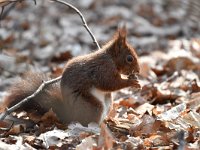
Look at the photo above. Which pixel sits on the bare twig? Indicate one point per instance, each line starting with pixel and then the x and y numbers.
pixel 40 88
pixel 7 2
pixel 4 3
pixel 6 11
pixel 82 18
pixel 1 14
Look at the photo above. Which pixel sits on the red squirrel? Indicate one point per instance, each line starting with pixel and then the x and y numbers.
pixel 84 93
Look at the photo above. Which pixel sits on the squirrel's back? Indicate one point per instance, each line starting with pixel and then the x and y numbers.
pixel 84 72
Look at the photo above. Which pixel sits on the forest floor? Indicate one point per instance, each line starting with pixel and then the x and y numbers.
pixel 165 114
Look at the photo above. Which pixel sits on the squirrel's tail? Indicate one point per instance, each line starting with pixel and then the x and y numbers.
pixel 28 85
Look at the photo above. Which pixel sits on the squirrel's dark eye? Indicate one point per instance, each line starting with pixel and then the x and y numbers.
pixel 129 58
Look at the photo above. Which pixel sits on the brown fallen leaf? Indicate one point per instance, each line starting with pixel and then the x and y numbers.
pixel 158 109
pixel 87 143
pixel 135 143
pixel 129 102
pixel 194 101
pixel 62 57
pixel 56 71
pixel 146 107
pixel 148 125
pixel 157 140
pixel 195 86
pixel 192 118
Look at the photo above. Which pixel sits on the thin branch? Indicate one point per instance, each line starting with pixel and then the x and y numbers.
pixel 7 2
pixel 25 100
pixel 7 10
pixel 82 18
pixel 1 14
pixel 4 4
pixel 35 2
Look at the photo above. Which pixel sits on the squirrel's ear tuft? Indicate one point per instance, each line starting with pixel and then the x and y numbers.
pixel 122 31
pixel 121 34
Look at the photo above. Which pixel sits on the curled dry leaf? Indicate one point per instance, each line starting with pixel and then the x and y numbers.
pixel 158 109
pixel 157 140
pixel 87 143
pixel 194 101
pixel 61 57
pixel 194 145
pixel 134 142
pixel 178 124
pixel 146 107
pixel 179 118
pixel 54 137
pixel 56 71
pixel 121 126
pixel 148 125
pixel 47 122
pixel 129 102
pixel 192 118
pixel 195 86
pixel 29 139
pixel 173 113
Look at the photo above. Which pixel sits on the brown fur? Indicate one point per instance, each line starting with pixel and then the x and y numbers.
pixel 101 69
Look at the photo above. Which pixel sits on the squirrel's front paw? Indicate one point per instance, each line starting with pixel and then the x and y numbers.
pixel 135 84
pixel 134 81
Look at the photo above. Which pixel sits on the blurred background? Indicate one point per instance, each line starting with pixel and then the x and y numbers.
pixel 44 36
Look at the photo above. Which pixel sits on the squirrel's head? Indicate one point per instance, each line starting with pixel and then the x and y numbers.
pixel 123 54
